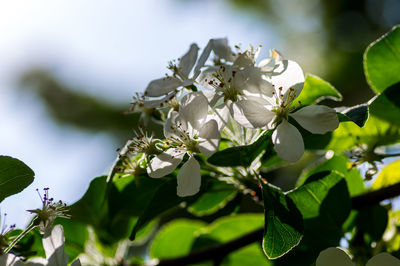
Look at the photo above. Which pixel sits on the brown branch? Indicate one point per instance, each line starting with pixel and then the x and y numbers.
pixel 374 197
pixel 216 251
pixel 219 251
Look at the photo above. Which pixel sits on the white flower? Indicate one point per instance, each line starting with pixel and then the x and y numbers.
pixel 189 131
pixel 262 110
pixel 335 256
pixel 53 245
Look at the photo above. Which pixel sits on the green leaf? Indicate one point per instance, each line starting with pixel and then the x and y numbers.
pixel 283 223
pixel 215 198
pixel 340 163
pixel 318 202
pixel 357 114
pixel 242 155
pixel 377 217
pixel 75 234
pixel 231 227
pixel 388 176
pixel 382 61
pixel 15 176
pixel 376 132
pixel 315 90
pixel 163 199
pixel 175 239
pixel 386 106
pixel 92 207
pixel 309 197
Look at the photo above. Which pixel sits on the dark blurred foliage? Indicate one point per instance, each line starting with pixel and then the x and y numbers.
pixel 347 29
pixel 86 112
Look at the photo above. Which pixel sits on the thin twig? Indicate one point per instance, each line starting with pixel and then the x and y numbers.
pixel 374 197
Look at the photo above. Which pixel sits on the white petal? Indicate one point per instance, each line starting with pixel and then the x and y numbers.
pixel 383 259
pixel 210 137
pixel 288 74
pixel 253 81
pixel 165 163
pixel 158 103
pixel 162 86
pixel 170 124
pixel 223 50
pixel 189 179
pixel 333 257
pixel 53 244
pixel 251 114
pixel 207 76
pixel 194 109
pixel 221 115
pixel 203 58
pixel 318 119
pixel 188 60
pixel 288 142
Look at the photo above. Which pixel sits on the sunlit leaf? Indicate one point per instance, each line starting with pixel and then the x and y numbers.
pixel 15 176
pixel 375 132
pixel 341 164
pixel 215 198
pixel 283 223
pixel 388 176
pixel 382 61
pixel 315 90
pixel 175 239
pixel 386 106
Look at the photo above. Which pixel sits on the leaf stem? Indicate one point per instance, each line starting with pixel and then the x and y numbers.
pixel 20 236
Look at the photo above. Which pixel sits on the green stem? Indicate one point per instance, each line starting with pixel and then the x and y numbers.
pixel 22 235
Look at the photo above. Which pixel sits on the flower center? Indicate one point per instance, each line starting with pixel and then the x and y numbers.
pixel 283 104
pixel 224 82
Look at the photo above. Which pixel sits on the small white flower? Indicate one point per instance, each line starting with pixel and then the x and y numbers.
pixel 256 112
pixel 53 245
pixel 189 131
pixel 50 210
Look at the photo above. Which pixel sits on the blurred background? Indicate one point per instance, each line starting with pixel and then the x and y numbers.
pixel 69 69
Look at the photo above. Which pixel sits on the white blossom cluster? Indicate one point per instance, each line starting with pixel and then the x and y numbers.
pixel 222 91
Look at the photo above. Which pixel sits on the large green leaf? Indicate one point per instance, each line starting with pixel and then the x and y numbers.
pixel 75 234
pixel 283 223
pixel 92 207
pixel 315 90
pixel 242 155
pixel 175 239
pixel 231 227
pixel 377 217
pixel 376 132
pixel 215 198
pixel 318 200
pixel 15 176
pixel 382 61
pixel 163 199
pixel 388 176
pixel 386 106
pixel 341 164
